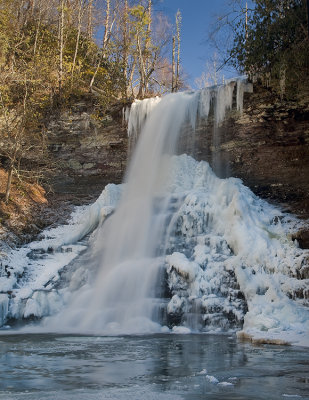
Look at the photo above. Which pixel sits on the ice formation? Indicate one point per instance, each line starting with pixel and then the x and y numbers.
pixel 30 274
pixel 184 250
pixel 231 258
pixel 135 116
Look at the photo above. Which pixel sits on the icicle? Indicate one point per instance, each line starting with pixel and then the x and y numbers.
pixel 125 115
pixel 242 87
pixel 205 101
pixel 224 101
pixel 137 115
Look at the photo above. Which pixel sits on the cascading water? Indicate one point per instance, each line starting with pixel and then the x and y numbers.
pixel 183 248
pixel 127 245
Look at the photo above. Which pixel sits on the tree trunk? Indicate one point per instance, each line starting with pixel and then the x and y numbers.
pixel 173 65
pixel 142 71
pixel 10 174
pixel 282 80
pixel 107 25
pixel 79 27
pixel 89 20
pixel 37 30
pixel 178 22
pixel 104 44
pixel 147 47
pixel 125 49
pixel 61 41
pixel 8 185
pixel 130 82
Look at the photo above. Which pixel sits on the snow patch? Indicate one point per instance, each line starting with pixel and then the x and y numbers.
pixel 28 274
pixel 212 379
pixel 225 384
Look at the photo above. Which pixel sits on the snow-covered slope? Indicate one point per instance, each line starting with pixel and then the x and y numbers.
pixel 28 275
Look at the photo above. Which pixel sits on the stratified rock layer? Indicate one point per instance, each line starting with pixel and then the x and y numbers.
pixel 89 147
pixel 267 147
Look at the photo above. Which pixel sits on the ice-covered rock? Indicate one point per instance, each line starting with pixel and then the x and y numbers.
pixel 29 275
pixel 232 258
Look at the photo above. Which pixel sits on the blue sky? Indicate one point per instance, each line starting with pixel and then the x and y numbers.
pixel 198 16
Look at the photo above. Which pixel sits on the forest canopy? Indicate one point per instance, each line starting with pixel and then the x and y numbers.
pixel 52 52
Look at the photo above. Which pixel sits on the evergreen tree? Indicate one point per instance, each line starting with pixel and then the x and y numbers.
pixel 274 45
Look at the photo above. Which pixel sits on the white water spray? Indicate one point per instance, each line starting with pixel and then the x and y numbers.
pixel 127 243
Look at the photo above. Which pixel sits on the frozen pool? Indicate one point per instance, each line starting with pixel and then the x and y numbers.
pixel 149 367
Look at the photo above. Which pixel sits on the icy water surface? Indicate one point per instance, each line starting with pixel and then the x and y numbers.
pixel 163 367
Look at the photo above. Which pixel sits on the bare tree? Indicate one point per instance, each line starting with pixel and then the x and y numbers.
pixel 147 46
pixel 79 27
pixel 13 131
pixel 61 42
pixel 211 75
pixel 125 35
pixel 37 31
pixel 173 64
pixel 178 25
pixel 90 19
pixel 108 25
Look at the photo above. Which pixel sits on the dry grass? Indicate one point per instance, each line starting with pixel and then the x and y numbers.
pixel 26 202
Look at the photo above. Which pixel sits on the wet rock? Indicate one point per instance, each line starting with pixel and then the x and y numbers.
pixel 267 147
pixel 302 238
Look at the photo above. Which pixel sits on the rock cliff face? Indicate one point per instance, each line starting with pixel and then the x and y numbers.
pixel 267 147
pixel 90 148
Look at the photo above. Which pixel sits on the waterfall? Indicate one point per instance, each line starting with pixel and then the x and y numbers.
pixel 127 245
pixel 176 247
